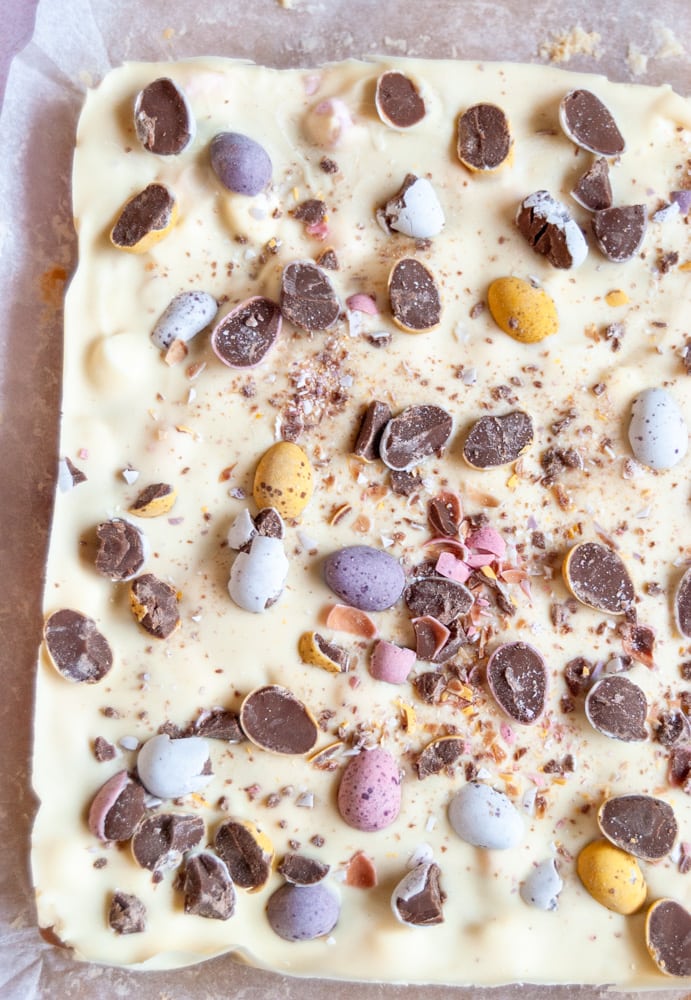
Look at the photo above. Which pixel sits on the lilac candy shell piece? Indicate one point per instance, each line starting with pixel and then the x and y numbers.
pixel 240 163
pixel 391 663
pixel 170 769
pixel 366 578
pixel 369 795
pixel 303 912
pixel 485 817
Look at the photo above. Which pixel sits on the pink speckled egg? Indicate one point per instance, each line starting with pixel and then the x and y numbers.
pixel 369 796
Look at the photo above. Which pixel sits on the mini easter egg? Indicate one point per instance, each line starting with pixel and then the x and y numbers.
pixel 183 318
pixel 275 720
pixel 328 122
pixel 657 430
pixel 284 479
pixel 485 817
pixel 303 912
pixel 257 577
pixel 417 899
pixel 668 937
pixel 414 210
pixel 240 163
pixel 527 314
pixel 542 886
pixel 163 119
pixel 369 795
pixel 116 808
pixel 145 219
pixel 366 578
pixel 640 824
pixel 170 769
pixel 246 851
pixel 611 876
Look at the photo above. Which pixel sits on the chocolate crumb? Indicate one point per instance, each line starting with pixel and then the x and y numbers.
pixel 127 913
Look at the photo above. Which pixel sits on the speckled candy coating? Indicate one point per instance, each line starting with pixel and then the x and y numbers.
pixel 370 579
pixel 658 432
pixel 240 163
pixel 369 795
pixel 303 912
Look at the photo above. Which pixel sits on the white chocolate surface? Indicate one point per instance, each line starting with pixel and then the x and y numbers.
pixel 123 406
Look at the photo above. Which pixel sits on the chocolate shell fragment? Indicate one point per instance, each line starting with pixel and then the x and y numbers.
pixel 160 841
pixel 121 551
pixel 247 333
pixel 668 937
pixel 274 719
pixel 154 500
pixel 494 441
pixel 620 232
pixel 377 416
pixel 144 219
pixel 588 123
pixel 246 852
pixel 593 189
pixel 398 100
pixel 414 435
pixel 414 296
pixel 126 914
pixel 418 898
pixel 439 755
pixel 307 297
pixel 640 824
pixel 682 604
pixel 154 604
pixel 484 137
pixel 617 708
pixel 76 648
pixel 162 118
pixel 301 870
pixel 597 577
pixel 208 888
pixel 439 598
pixel 517 677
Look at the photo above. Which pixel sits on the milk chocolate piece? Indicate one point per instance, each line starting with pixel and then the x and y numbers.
pixel 158 498
pixel 398 100
pixel 412 436
pixel 248 862
pixel 311 211
pixel 494 441
pixel 160 841
pixel 593 189
pixel 445 514
pixel 430 638
pixel 414 296
pixel 619 232
pixel 208 887
pixel 247 333
pixel 377 416
pixel 517 677
pixel 121 549
pixel 588 123
pixel 439 755
pixel 269 523
pixel 274 719
pixel 424 908
pixel 307 297
pixel 682 604
pixel 617 708
pixel 126 914
pixel 439 597
pixel 155 605
pixel 162 118
pixel 149 211
pixel 301 870
pixel 597 577
pixel 405 483
pixel 123 816
pixel 640 824
pixel 668 937
pixel 550 230
pixel 484 137
pixel 219 724
pixel 328 259
pixel 76 647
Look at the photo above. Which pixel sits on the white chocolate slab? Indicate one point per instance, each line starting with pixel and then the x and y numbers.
pixel 123 406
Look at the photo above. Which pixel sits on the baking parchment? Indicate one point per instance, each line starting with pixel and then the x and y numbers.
pixel 75 43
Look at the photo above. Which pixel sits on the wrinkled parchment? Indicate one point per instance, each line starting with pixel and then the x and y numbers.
pixel 74 44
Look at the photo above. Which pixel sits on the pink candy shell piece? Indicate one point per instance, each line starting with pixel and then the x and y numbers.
pixel 103 802
pixel 452 568
pixel 391 663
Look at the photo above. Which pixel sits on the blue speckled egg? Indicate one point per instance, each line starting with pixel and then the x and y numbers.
pixel 366 578
pixel 240 163
pixel 658 433
pixel 485 817
pixel 303 912
pixel 369 796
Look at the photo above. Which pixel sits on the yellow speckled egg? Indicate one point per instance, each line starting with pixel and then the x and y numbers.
pixel 527 314
pixel 612 877
pixel 284 479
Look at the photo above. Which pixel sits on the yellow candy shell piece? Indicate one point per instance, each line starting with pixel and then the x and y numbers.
pixel 154 501
pixel 145 219
pixel 311 652
pixel 284 479
pixel 612 877
pixel 527 314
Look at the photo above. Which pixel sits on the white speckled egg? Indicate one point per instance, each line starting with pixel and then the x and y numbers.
pixel 658 433
pixel 542 886
pixel 170 769
pixel 485 817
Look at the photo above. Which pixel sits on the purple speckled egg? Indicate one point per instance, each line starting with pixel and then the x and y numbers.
pixel 240 163
pixel 303 912
pixel 366 578
pixel 369 796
